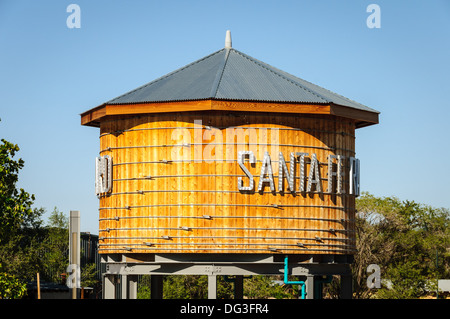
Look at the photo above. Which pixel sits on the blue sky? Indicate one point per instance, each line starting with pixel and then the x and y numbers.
pixel 49 74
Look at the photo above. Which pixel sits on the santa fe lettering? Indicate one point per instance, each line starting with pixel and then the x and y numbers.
pixel 309 179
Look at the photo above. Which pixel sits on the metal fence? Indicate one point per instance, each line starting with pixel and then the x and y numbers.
pixel 89 253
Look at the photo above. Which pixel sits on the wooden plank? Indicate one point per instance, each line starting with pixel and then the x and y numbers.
pixel 94 116
pixel 365 117
pixel 91 116
pixel 270 107
pixel 263 226
pixel 144 108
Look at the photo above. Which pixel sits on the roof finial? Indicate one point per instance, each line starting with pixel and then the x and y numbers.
pixel 228 40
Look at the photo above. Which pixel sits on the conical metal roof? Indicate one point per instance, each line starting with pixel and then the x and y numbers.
pixel 229 80
pixel 229 74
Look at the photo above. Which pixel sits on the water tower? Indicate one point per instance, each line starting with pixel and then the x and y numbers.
pixel 227 166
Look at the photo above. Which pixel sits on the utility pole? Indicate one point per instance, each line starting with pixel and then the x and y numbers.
pixel 74 251
pixel 437 265
pixel 38 282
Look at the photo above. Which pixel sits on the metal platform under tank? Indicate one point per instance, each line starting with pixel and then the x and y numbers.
pixel 312 268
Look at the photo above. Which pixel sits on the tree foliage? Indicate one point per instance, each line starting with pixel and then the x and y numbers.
pixel 11 287
pixel 26 245
pixel 409 241
pixel 54 249
pixel 19 224
pixel 196 287
pixel 185 287
pixel 15 204
pixel 265 287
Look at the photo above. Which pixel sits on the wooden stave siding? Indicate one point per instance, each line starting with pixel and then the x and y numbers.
pixel 246 235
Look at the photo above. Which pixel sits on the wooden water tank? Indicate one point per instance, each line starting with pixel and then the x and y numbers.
pixel 223 175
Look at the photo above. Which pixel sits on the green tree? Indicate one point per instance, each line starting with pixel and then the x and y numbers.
pixel 11 287
pixel 264 287
pixel 177 287
pixel 185 287
pixel 144 289
pixel 15 204
pixel 19 225
pixel 88 275
pixel 196 287
pixel 403 238
pixel 55 246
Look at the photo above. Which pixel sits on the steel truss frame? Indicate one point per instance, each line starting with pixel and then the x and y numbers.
pixel 311 267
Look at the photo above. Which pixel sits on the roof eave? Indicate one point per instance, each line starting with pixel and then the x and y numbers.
pixel 94 116
pixel 362 118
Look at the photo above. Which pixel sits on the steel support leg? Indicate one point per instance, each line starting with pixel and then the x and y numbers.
pixel 310 287
pixel 156 286
pixel 239 287
pixel 124 287
pixel 108 287
pixel 132 287
pixel 346 287
pixel 212 287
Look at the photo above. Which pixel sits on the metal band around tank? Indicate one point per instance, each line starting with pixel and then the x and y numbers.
pixel 233 205
pixel 342 220
pixel 226 237
pixel 332 149
pixel 224 228
pixel 342 133
pixel 274 249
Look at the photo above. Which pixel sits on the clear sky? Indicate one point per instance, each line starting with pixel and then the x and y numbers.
pixel 50 73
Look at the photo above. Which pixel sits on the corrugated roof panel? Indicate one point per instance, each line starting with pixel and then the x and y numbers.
pixel 245 78
pixel 229 74
pixel 300 90
pixel 191 82
pixel 327 94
